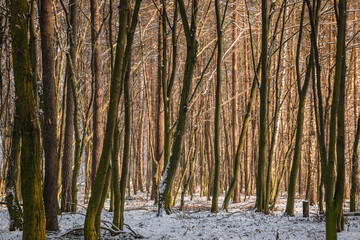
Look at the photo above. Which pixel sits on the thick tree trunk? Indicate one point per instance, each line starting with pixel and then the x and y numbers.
pixel 34 216
pixel 50 116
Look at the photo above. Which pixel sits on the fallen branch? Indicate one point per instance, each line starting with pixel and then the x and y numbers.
pixel 112 231
pixel 351 214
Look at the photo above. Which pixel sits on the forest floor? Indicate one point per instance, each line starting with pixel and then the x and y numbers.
pixel 197 222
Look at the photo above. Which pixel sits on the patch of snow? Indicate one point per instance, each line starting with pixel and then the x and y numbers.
pixel 197 222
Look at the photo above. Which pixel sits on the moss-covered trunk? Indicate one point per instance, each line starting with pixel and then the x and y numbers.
pixel 34 216
pixel 170 169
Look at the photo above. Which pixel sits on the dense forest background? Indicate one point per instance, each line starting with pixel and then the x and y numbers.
pixel 103 99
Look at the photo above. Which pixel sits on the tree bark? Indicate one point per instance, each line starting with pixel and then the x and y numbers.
pixel 68 157
pixel 25 104
pixel 96 67
pixel 50 116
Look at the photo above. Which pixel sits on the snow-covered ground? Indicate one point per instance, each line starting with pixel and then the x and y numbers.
pixel 196 222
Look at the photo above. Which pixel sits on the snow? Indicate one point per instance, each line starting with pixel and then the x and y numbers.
pixel 196 222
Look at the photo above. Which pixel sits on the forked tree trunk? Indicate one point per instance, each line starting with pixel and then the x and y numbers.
pixel 122 59
pixel 170 169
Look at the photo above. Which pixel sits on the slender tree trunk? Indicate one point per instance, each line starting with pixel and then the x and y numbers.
pixel 159 121
pixel 115 166
pixel 126 153
pixel 68 157
pixel 263 131
pixel 170 170
pixel 117 78
pixel 96 69
pixel 355 160
pixel 302 91
pixel 234 89
pixel 13 166
pixel 214 205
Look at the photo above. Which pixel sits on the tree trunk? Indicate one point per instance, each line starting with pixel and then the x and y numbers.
pixel 50 117
pixel 68 157
pixel 170 170
pixel 214 205
pixel 34 216
pixel 96 66
pixel 13 166
pixel 121 62
pixel 263 131
pixel 115 165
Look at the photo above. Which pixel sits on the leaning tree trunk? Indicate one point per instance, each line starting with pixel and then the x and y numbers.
pixel 121 62
pixel 34 216
pixel 302 91
pixel 170 169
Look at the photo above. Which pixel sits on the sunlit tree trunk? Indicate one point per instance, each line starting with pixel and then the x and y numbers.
pixel 170 170
pixel 96 69
pixel 302 91
pixel 68 157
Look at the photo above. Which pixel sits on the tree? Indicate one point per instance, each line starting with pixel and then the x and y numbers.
pixel 68 157
pixel 34 216
pixel 122 59
pixel 170 169
pixel 214 205
pixel 260 179
pixel 302 90
pixel 96 66
pixel 50 116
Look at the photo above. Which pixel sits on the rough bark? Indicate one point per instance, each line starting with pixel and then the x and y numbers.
pixel 50 116
pixel 25 104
